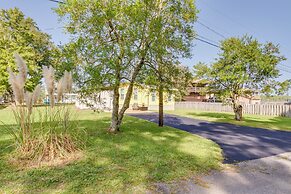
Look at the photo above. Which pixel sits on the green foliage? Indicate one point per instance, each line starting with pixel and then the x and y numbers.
pixel 115 39
pixel 20 34
pixel 111 37
pixel 143 155
pixel 165 76
pixel 244 67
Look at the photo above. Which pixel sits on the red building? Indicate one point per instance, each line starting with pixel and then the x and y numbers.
pixel 197 92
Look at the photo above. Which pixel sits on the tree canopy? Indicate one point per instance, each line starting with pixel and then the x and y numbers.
pixel 115 40
pixel 20 34
pixel 244 67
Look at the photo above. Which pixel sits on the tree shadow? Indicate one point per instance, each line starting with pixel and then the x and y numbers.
pixel 239 143
pixel 2 106
pixel 133 159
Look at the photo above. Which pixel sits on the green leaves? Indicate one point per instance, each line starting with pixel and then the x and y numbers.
pixel 244 67
pixel 20 34
pixel 111 37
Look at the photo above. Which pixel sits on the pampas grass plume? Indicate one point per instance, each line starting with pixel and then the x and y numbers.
pixel 22 67
pixel 60 88
pixel 17 85
pixel 36 93
pixel 29 101
pixel 49 79
pixel 68 81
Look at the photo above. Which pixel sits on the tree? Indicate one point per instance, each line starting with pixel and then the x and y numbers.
pixel 20 34
pixel 166 77
pixel 115 38
pixel 243 68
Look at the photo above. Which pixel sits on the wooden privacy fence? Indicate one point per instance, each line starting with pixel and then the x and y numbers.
pixel 272 109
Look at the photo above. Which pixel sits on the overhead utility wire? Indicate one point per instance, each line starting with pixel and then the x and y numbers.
pixel 56 1
pixel 207 42
pixel 208 39
pixel 201 39
pixel 211 29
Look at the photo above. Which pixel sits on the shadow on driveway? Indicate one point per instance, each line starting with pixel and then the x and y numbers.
pixel 239 143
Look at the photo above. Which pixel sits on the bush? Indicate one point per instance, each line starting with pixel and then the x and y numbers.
pixel 47 133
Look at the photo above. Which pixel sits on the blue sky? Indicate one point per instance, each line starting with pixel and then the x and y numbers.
pixel 265 20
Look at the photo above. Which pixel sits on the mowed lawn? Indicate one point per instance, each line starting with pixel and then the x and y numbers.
pixel 268 122
pixel 131 161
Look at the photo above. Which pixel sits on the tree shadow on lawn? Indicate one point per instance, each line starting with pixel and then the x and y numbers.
pixel 131 161
pixel 2 106
pixel 282 123
pixel 239 143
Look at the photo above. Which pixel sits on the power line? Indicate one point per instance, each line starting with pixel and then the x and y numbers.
pixel 211 29
pixel 201 39
pixel 285 66
pixel 56 1
pixel 207 42
pixel 205 38
pixel 281 68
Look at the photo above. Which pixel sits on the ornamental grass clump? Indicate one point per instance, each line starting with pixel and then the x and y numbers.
pixel 43 134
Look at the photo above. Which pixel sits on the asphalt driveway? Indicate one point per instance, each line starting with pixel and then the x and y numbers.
pixel 239 143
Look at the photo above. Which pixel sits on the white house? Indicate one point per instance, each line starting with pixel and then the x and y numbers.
pixel 100 101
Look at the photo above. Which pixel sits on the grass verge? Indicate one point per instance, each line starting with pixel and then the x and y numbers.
pixel 131 161
pixel 268 122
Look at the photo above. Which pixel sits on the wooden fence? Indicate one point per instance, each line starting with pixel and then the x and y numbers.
pixel 272 109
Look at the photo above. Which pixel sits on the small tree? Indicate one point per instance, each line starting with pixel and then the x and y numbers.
pixel 243 68
pixel 166 77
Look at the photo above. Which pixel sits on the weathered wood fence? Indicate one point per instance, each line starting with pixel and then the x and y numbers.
pixel 272 109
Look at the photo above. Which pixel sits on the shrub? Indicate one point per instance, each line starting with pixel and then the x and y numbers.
pixel 47 133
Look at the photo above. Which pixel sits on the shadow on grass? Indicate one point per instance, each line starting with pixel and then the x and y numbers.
pixel 3 106
pixel 239 143
pixel 130 161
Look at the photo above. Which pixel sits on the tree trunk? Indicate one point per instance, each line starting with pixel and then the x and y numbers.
pixel 129 91
pixel 237 112
pixel 114 127
pixel 161 106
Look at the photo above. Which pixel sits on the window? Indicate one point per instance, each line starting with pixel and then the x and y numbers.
pixel 169 97
pixel 153 96
pixel 135 94
pixel 122 94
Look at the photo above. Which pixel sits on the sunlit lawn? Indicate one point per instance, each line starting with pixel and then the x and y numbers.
pixel 269 122
pixel 131 161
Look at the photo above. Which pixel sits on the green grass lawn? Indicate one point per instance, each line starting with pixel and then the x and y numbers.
pixel 131 161
pixel 269 122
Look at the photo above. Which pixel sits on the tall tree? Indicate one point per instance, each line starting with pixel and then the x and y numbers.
pixel 244 67
pixel 115 38
pixel 20 34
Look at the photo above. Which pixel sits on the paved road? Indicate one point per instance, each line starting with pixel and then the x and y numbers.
pixel 239 143
pixel 270 175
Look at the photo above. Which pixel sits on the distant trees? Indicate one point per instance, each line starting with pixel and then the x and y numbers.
pixel 116 39
pixel 20 34
pixel 244 67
